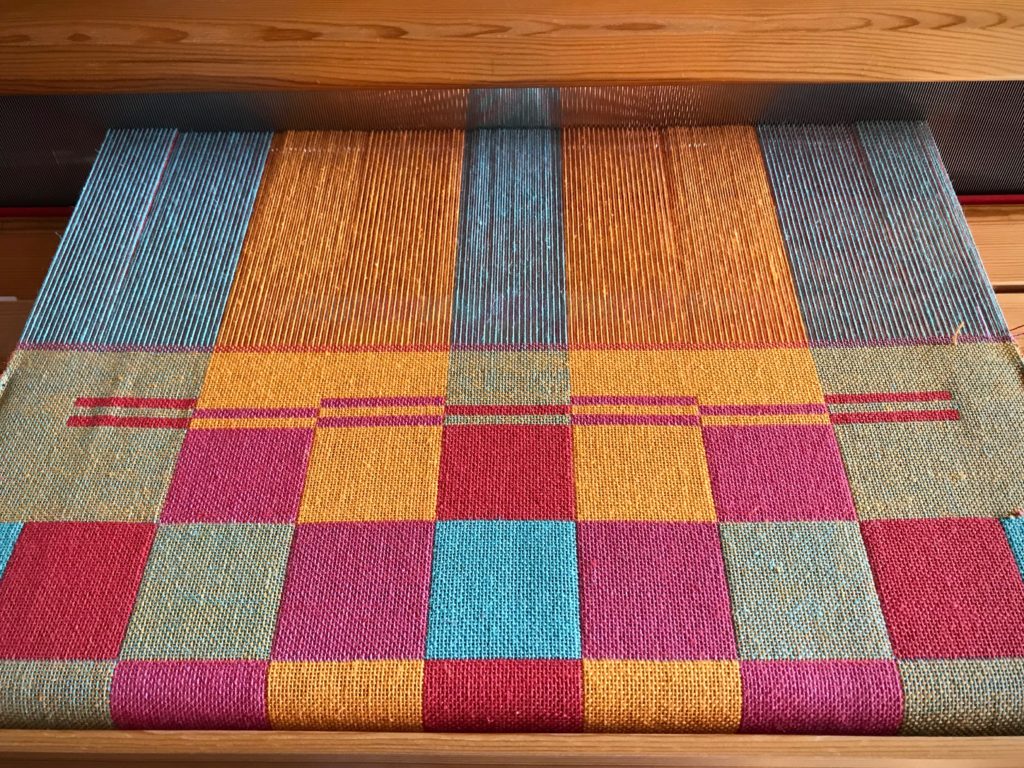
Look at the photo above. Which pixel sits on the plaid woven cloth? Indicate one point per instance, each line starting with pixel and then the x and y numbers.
pixel 691 429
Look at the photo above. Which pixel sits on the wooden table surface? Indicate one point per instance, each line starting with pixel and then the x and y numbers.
pixel 109 46
pixel 280 748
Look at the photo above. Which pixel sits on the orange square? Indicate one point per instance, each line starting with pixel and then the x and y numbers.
pixel 713 376
pixel 640 472
pixel 372 473
pixel 346 695
pixel 304 379
pixel 662 696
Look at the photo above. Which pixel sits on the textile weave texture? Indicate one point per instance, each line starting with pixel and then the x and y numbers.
pixel 596 429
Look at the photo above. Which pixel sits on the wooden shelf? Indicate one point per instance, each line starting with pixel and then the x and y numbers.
pixel 111 46
pixel 998 231
pixel 201 748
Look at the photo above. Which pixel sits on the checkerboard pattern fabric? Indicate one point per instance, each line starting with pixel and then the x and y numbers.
pixel 684 429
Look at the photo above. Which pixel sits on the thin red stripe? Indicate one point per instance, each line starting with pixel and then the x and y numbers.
pixel 874 417
pixel 178 403
pixel 610 419
pixel 632 400
pixel 888 397
pixel 1009 198
pixel 20 212
pixel 381 402
pixel 506 410
pixel 762 410
pixel 380 421
pixel 256 413
pixel 144 422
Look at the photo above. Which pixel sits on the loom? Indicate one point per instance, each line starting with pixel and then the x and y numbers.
pixel 495 385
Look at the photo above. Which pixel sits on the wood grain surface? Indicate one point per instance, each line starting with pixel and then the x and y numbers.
pixel 26 247
pixel 998 231
pixel 54 46
pixel 194 748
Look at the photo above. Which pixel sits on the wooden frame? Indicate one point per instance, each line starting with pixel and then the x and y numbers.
pixel 123 46
pixel 263 748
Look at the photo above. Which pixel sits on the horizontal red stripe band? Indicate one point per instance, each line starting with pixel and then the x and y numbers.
pixel 762 410
pixel 256 413
pixel 889 397
pixel 632 400
pixel 380 421
pixel 610 419
pixel 144 422
pixel 176 403
pixel 30 212
pixel 506 410
pixel 873 417
pixel 381 402
pixel 1005 198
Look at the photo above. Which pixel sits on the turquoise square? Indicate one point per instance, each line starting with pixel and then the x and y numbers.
pixel 1014 527
pixel 8 536
pixel 504 589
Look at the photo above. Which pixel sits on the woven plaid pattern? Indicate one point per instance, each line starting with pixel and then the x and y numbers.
pixel 688 429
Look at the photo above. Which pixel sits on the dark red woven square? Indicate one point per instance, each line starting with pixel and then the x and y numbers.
pixel 506 471
pixel 949 588
pixel 69 588
pixel 503 695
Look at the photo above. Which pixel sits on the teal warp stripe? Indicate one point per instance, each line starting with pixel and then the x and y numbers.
pixel 878 247
pixel 513 108
pixel 510 274
pixel 158 272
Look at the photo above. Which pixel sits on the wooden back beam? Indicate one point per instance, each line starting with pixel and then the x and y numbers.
pixel 125 46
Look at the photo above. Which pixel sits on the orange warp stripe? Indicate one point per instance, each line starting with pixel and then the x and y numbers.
pixel 672 238
pixel 351 243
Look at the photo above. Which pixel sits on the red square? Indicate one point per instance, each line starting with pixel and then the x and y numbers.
pixel 506 472
pixel 503 695
pixel 949 587
pixel 69 589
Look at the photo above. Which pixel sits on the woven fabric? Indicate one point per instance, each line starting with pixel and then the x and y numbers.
pixel 687 429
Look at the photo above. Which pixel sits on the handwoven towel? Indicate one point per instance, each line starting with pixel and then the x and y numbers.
pixel 688 429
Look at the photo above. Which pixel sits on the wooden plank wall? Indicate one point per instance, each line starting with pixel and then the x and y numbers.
pixel 201 45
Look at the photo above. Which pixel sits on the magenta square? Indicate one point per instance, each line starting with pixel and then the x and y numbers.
pixel 834 697
pixel 654 591
pixel 356 591
pixel 506 472
pixel 949 587
pixel 774 473
pixel 238 476
pixel 190 694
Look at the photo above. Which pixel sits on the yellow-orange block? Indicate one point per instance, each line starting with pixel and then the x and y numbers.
pixel 303 379
pixel 372 473
pixel 714 376
pixel 351 243
pixel 346 695
pixel 634 472
pixel 662 696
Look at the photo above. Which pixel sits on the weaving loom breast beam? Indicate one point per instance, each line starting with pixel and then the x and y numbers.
pixel 100 64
